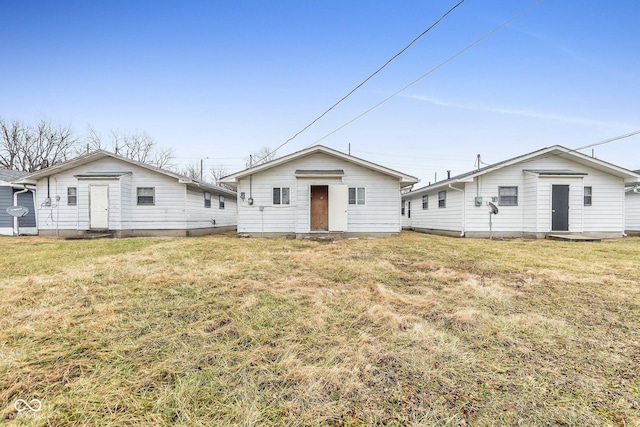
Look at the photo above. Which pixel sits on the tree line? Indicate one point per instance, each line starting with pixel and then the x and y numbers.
pixel 28 148
pixel 31 147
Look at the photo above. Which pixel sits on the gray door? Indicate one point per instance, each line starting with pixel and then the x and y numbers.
pixel 560 208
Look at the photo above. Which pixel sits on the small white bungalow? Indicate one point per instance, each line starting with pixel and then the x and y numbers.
pixel 551 191
pixel 16 195
pixel 632 207
pixel 104 192
pixel 316 192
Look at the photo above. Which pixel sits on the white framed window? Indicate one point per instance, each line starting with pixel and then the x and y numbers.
pixel 146 195
pixel 402 205
pixel 221 202
pixel 207 199
pixel 508 196
pixel 442 199
pixel 357 195
pixel 281 196
pixel 425 201
pixel 72 196
pixel 588 196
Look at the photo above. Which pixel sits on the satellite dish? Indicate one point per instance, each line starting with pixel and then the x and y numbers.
pixel 17 211
pixel 494 208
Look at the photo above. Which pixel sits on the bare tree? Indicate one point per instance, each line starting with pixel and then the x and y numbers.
pixel 11 140
pixel 139 146
pixel 192 170
pixel 30 148
pixel 218 172
pixel 260 156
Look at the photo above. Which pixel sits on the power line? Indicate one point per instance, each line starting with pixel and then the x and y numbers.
pixel 606 141
pixel 451 58
pixel 365 80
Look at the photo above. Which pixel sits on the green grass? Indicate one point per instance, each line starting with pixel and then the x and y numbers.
pixel 414 330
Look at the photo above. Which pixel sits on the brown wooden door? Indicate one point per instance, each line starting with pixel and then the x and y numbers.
pixel 319 208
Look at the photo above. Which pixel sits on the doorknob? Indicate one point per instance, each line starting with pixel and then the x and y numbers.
pixel 553 211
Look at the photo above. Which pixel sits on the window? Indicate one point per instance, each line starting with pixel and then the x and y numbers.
pixel 72 196
pixel 442 199
pixel 221 202
pixel 146 195
pixel 508 196
pixel 425 201
pixel 402 208
pixel 207 199
pixel 356 195
pixel 588 192
pixel 281 196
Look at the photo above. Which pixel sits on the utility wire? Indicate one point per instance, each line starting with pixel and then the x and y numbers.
pixel 364 81
pixel 451 58
pixel 606 141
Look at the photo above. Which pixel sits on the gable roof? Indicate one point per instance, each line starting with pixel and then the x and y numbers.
pixel 8 175
pixel 405 180
pixel 555 150
pixel 31 178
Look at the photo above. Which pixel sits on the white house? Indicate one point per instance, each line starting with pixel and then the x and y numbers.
pixel 632 206
pixel 101 192
pixel 551 191
pixel 16 195
pixel 319 191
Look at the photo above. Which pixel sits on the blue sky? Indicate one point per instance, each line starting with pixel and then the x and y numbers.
pixel 220 80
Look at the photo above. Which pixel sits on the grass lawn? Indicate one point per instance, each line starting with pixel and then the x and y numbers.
pixel 413 330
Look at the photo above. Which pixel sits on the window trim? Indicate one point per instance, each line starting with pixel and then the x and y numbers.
pixel 402 207
pixel 280 199
pixel 153 197
pixel 207 199
pixel 425 202
pixel 442 199
pixel 75 196
pixel 500 196
pixel 589 196
pixel 356 199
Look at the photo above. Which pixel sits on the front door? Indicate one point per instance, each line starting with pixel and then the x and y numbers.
pixel 319 210
pixel 99 207
pixel 559 208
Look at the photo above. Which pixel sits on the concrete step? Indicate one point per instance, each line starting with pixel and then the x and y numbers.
pixel 90 236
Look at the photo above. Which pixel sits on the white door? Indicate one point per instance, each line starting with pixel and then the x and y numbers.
pixel 99 206
pixel 338 207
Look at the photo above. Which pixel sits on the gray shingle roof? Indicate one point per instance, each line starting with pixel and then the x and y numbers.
pixel 9 175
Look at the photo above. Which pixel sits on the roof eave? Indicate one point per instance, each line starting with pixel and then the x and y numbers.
pixel 229 179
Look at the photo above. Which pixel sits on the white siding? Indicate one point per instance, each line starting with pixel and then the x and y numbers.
pixel 533 212
pixel 530 203
pixel 632 206
pixel 199 216
pixel 381 212
pixel 607 210
pixel 59 215
pixel 448 218
pixel 175 207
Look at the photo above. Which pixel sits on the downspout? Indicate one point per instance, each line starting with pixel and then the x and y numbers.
pixel 16 228
pixel 464 209
pixel 57 206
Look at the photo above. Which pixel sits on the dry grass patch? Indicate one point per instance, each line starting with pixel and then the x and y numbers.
pixel 415 330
